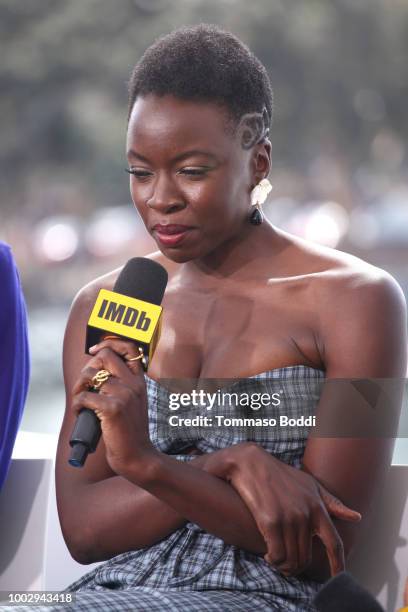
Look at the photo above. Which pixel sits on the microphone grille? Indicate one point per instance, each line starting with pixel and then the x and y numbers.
pixel 143 279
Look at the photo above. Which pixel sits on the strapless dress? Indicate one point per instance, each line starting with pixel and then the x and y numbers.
pixel 191 570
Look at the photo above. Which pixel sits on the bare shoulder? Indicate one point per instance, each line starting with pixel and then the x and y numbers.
pixel 339 277
pixel 351 284
pixel 86 296
pixel 360 309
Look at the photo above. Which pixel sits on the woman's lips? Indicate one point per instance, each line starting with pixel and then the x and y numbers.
pixel 170 235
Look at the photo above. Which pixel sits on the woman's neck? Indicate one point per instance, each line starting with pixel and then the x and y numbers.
pixel 235 258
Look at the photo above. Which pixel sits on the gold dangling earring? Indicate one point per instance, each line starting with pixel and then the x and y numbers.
pixel 258 197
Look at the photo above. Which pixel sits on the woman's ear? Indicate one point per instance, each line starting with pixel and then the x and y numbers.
pixel 261 160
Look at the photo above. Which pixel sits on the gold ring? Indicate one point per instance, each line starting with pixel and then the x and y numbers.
pixel 140 356
pixel 100 377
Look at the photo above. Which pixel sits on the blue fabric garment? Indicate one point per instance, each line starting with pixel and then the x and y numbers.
pixel 14 357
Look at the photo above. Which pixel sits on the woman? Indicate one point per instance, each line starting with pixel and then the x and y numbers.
pixel 244 299
pixel 14 357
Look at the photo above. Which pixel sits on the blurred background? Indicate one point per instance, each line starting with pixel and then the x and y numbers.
pixel 339 74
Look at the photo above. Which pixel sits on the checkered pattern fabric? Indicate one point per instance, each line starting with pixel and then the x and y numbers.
pixel 192 570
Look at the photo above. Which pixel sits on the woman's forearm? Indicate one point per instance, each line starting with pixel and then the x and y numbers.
pixel 209 501
pixel 201 497
pixel 131 517
pixel 114 516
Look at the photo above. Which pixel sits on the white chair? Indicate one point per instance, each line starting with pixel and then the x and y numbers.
pixel 380 559
pixel 23 524
pixel 33 554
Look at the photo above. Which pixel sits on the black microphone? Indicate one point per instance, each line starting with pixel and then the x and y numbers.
pixel 343 594
pixel 131 311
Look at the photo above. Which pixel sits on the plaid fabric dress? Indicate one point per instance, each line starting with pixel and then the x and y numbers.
pixel 192 570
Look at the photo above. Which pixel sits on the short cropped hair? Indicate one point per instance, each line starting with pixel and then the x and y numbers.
pixel 207 64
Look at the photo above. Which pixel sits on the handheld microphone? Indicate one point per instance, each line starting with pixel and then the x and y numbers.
pixel 131 311
pixel 343 594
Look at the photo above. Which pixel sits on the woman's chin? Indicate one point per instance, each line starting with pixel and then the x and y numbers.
pixel 177 255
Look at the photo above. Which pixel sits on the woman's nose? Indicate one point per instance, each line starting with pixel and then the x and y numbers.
pixel 165 197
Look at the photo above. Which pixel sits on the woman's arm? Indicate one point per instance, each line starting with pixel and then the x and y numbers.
pixel 364 343
pixel 363 335
pixel 103 514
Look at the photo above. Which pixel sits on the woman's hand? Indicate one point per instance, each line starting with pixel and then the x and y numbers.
pixel 288 505
pixel 120 404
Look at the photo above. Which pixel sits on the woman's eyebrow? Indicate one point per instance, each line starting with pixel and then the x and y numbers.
pixel 131 153
pixel 194 152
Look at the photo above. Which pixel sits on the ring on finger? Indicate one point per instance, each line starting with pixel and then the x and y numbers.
pixel 100 377
pixel 140 356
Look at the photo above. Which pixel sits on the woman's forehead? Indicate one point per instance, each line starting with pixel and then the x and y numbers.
pixel 167 119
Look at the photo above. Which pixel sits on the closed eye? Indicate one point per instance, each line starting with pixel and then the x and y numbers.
pixel 140 173
pixel 202 171
pixel 193 172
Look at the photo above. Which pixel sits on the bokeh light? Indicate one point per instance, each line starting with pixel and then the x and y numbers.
pixel 56 240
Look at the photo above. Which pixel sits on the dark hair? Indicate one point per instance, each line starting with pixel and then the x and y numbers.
pixel 205 63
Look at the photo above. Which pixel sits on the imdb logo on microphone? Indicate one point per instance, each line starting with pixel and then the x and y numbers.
pixel 126 316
